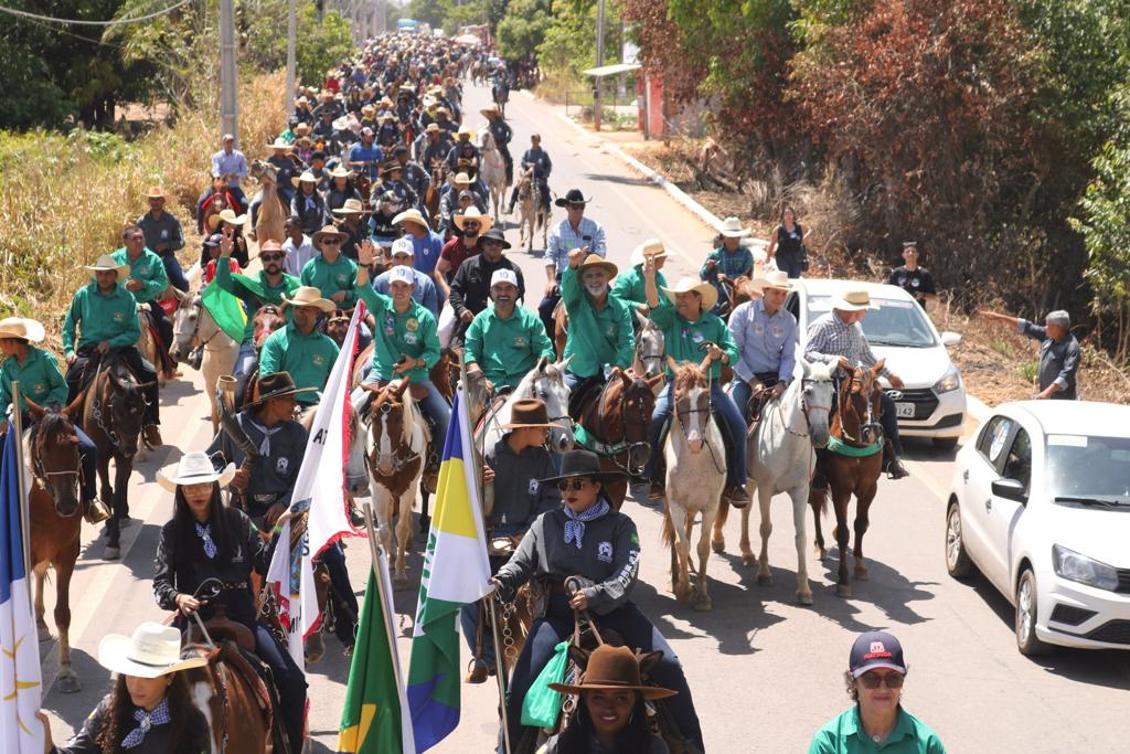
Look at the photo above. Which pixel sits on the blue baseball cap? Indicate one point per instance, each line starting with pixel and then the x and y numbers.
pixel 875 649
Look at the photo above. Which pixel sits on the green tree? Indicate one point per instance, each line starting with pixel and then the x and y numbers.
pixel 321 45
pixel 522 30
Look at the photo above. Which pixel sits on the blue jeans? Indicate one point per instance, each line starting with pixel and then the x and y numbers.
pixel 572 380
pixel 741 392
pixel 289 682
pixel 88 457
pixel 174 271
pixel 245 364
pixel 730 422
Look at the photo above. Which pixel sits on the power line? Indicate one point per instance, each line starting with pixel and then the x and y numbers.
pixel 83 22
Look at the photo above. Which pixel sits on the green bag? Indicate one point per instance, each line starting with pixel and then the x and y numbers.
pixel 542 704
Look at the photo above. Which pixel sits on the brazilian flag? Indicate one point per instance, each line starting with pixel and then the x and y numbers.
pixel 226 309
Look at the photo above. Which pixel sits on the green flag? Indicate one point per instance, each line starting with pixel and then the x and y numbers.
pixel 375 715
pixel 226 309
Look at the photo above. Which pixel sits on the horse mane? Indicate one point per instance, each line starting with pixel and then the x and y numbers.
pixel 689 376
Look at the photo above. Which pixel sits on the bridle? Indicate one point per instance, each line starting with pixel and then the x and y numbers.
pixel 709 410
pixel 805 407
pixel 398 457
pixel 613 449
pixel 42 475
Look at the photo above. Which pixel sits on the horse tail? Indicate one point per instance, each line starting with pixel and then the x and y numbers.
pixel 818 499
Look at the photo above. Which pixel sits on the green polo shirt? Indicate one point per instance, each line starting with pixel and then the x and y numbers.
pixel 39 378
pixel 331 278
pixel 255 292
pixel 111 317
pixel 308 358
pixel 629 286
pixel 409 333
pixel 506 349
pixel 149 269
pixel 683 339
pixel 844 734
pixel 595 337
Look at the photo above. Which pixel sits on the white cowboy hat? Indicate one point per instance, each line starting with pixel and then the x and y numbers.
pixel 308 296
pixel 231 218
pixel 152 651
pixel 351 207
pixel 472 213
pixel 708 292
pixel 281 144
pixel 194 468
pixel 339 171
pixel 652 247
pixel 24 329
pixel 774 279
pixel 106 263
pixel 411 216
pixel 307 176
pixel 732 228
pixel 854 301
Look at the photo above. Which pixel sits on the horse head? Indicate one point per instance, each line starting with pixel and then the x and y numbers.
pixel 267 319
pixel 122 399
pixel 390 427
pixel 816 391
pixel 186 324
pixel 637 405
pixel 55 460
pixel 548 385
pixel 265 173
pixel 650 346
pixel 692 402
pixel 356 477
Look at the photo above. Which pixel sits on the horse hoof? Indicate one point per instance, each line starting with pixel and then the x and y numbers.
pixel 804 599
pixel 862 574
pixel 112 553
pixel 68 682
pixel 703 605
pixel 765 579
pixel 843 590
pixel 719 546
pixel 749 560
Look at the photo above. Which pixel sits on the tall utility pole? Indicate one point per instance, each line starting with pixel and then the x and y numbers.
pixel 229 103
pixel 291 75
pixel 597 98
pixel 382 17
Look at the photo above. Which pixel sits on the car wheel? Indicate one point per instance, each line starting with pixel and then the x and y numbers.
pixel 945 443
pixel 1026 640
pixel 957 559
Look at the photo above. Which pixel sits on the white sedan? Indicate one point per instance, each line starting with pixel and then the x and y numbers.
pixel 1040 504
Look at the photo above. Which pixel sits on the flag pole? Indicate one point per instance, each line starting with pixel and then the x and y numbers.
pixel 25 513
pixel 499 667
pixel 379 575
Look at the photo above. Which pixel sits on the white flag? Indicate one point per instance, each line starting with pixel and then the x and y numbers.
pixel 286 579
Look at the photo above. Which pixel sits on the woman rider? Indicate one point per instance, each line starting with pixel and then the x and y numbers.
pixel 206 539
pixel 149 709
pixel 586 538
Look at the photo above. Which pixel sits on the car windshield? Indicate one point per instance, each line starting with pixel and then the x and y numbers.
pixel 1089 467
pixel 895 323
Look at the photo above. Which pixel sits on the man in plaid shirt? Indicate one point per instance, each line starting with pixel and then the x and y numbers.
pixel 837 337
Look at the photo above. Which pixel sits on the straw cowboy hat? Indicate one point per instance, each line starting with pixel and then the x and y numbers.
pixel 151 652
pixel 302 129
pixel 281 144
pixel 465 131
pixel 194 468
pixel 854 301
pixel 351 207
pixel 156 192
pixel 582 463
pixel 432 128
pixel 461 179
pixel 688 284
pixel 231 218
pixel 778 279
pixel 339 171
pixel 596 261
pixel 411 216
pixel 528 414
pixel 309 296
pixel 106 263
pixel 23 329
pixel 652 248
pixel 306 176
pixel 485 221
pixel 613 669
pixel 326 231
pixel 278 385
pixel 489 110
pixel 732 228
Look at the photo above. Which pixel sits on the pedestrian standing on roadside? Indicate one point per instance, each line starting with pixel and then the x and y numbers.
pixel 915 280
pixel 1059 352
pixel 786 245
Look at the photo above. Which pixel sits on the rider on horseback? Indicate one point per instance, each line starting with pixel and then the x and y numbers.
pixel 766 334
pixel 414 176
pixel 331 272
pixel 537 158
pixel 728 261
pixel 505 340
pixel 147 281
pixel 299 348
pixel 464 151
pixel 424 292
pixel 501 132
pixel 586 538
pixel 574 232
pixel 600 325
pixel 630 286
pixel 106 314
pixel 391 181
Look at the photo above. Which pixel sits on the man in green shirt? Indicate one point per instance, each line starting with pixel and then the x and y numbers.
pixel 600 325
pixel 331 272
pixel 629 284
pixel 299 348
pixel 504 340
pixel 405 340
pixel 105 314
pixel 147 281
pixel 691 330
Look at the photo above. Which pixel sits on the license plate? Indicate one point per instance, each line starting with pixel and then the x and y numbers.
pixel 904 410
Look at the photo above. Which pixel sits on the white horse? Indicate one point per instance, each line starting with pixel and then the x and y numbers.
pixel 650 348
pixel 781 459
pixel 696 475
pixel 493 172
pixel 194 327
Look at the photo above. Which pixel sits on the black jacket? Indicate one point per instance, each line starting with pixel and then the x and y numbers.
pixel 470 289
pixel 157 741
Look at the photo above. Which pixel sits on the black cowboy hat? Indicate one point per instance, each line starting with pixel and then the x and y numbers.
pixel 582 463
pixel 495 234
pixel 277 385
pixel 572 196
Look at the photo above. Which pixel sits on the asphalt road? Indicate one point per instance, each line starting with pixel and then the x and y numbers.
pixel 765 672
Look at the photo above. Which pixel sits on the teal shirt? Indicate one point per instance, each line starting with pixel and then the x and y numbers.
pixel 629 286
pixel 39 378
pixel 844 734
pixel 308 358
pixel 254 293
pixel 410 333
pixel 506 349
pixel 111 317
pixel 595 337
pixel 149 269
pixel 683 339
pixel 331 278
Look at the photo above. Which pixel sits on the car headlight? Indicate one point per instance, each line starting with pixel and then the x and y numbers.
pixel 950 381
pixel 1072 566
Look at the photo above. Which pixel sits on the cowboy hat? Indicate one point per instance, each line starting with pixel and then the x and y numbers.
pixel 277 385
pixel 387 116
pixel 270 245
pixel 106 263
pixel 528 414
pixel 302 129
pixel 368 109
pixel 688 284
pixel 613 669
pixel 732 228
pixel 853 301
pixel 572 196
pixel 151 652
pixel 194 468
pixel 328 230
pixel 465 131
pixel 582 463
pixel 24 329
pixel 489 110
pixel 651 248
pixel 485 221
pixel 774 279
pixel 339 171
pixel 461 178
pixel 411 216
pixel 280 144
pixel 231 218
pixel 351 207
pixel 495 234
pixel 593 261
pixel 155 192
pixel 390 165
pixel 432 128
pixel 306 176
pixel 308 296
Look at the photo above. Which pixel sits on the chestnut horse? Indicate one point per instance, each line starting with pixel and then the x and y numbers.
pixel 852 465
pixel 55 509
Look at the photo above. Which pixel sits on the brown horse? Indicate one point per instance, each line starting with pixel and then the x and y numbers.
pixel 267 319
pixel 270 220
pixel 56 520
pixel 737 292
pixel 431 195
pixel 852 465
pixel 613 423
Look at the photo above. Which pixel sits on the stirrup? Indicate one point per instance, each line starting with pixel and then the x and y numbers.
pixel 95 511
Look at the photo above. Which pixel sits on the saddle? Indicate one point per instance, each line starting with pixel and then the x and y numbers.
pixel 585 392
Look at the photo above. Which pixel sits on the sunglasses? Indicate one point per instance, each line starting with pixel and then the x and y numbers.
pixel 874 680
pixel 332 241
pixel 270 257
pixel 572 484
pixel 471 226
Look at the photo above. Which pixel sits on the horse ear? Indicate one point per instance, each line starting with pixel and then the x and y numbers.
pixel 564 362
pixel 540 366
pixel 648 660
pixel 72 408
pixel 805 367
pixel 640 318
pixel 878 366
pixel 580 656
pixel 36 410
pixel 404 382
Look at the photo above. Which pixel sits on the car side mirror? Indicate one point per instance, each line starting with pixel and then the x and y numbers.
pixel 950 339
pixel 1010 489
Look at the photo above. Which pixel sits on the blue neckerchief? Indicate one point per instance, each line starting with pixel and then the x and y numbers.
pixel 145 722
pixel 204 531
pixel 575 526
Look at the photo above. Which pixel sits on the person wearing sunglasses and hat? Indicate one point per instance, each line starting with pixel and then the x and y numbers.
pixel 232 163
pixel 630 286
pixel 436 145
pixel 164 236
pixel 471 287
pixel 877 722
pixel 206 539
pixel 691 331
pixel 612 717
pixel 350 221
pixel 331 272
pixel 449 197
pixel 574 232
pixel 586 538
pixel 504 340
pixel 469 224
pixel 600 324
pixel 730 260
pixel 282 157
pixel 227 224
pixel 412 174
pixel 298 348
pixel 427 245
pixel 149 708
pixel 308 205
